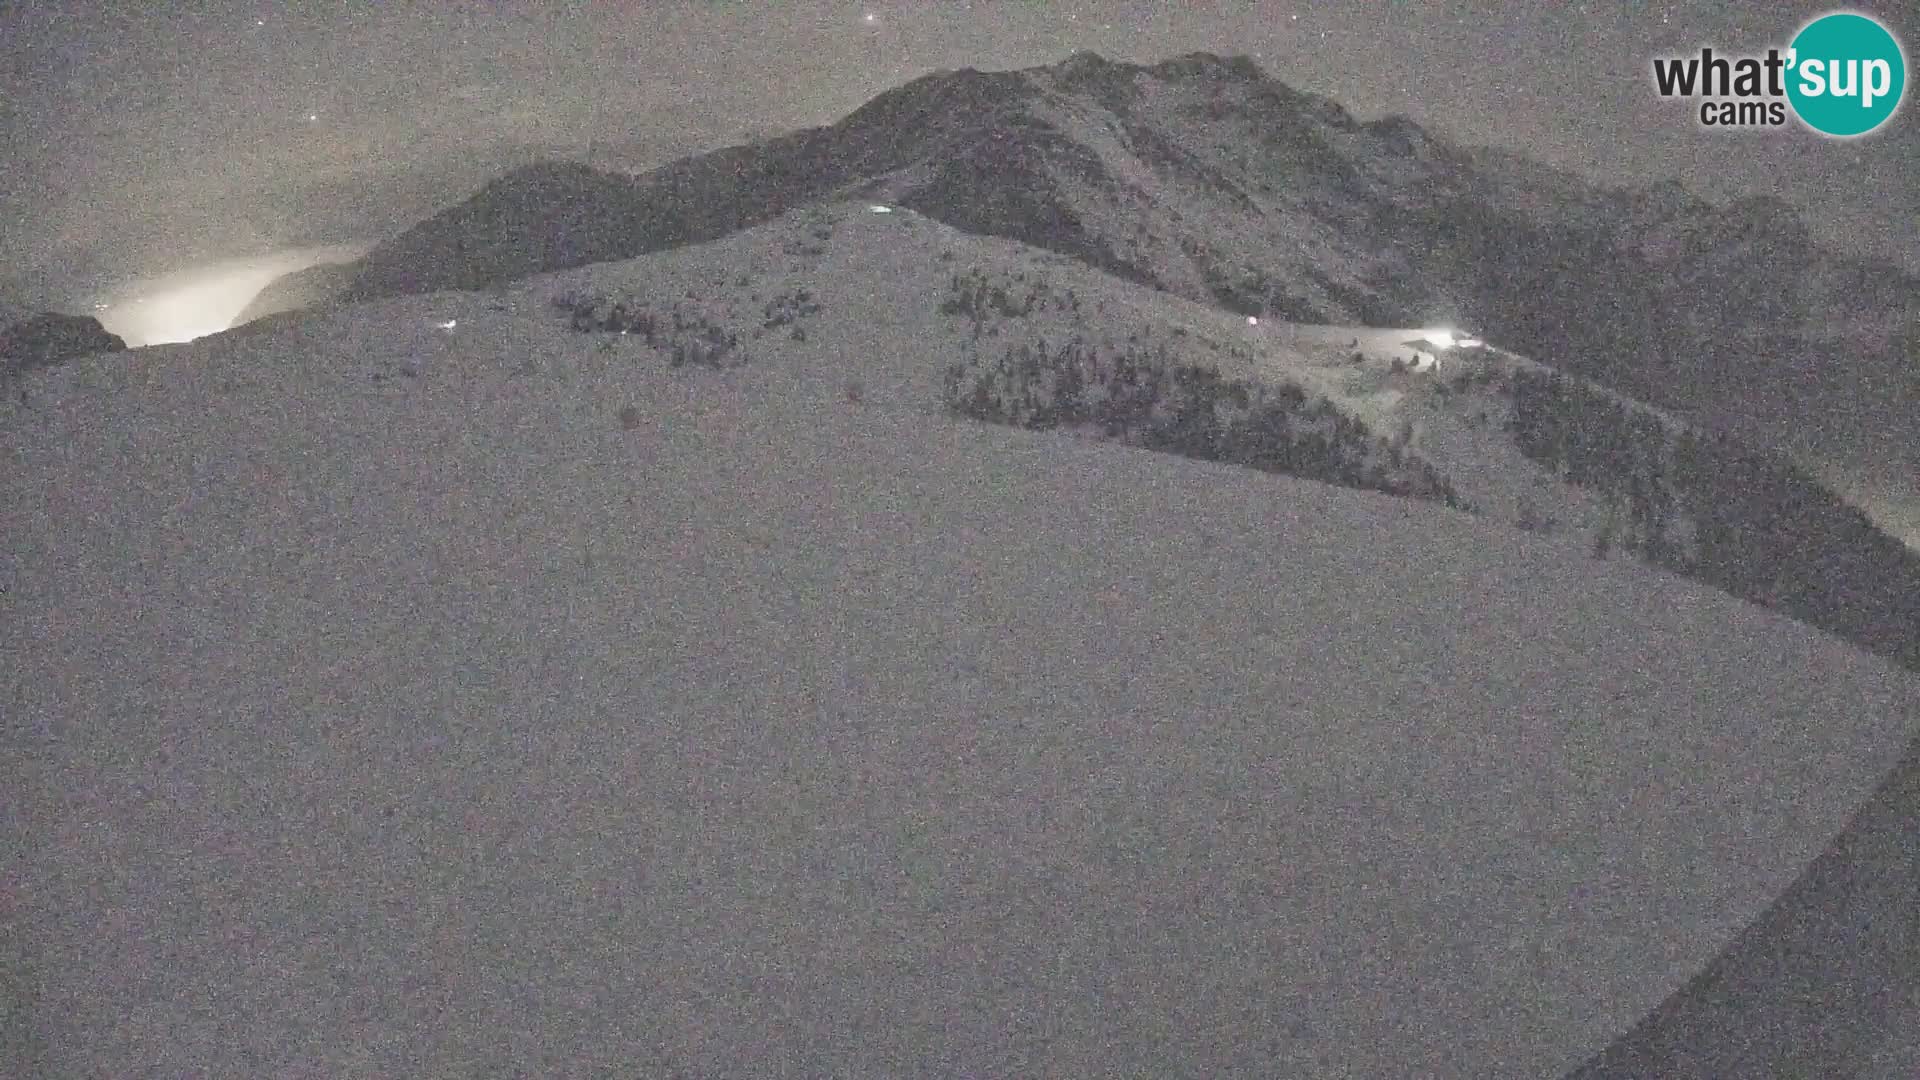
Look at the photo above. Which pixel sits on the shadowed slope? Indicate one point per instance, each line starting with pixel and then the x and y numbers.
pixel 1819 983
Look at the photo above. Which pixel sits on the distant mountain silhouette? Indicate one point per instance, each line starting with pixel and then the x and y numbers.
pixel 36 341
pixel 301 289
pixel 1209 178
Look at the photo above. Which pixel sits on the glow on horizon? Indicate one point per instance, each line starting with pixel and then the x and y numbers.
pixel 206 299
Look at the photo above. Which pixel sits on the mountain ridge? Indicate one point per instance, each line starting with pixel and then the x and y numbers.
pixel 660 693
pixel 1202 176
pixel 1041 340
pixel 1069 156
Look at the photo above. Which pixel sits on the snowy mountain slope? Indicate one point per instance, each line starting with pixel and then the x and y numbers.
pixel 891 300
pixel 1205 176
pixel 410 699
pixel 914 311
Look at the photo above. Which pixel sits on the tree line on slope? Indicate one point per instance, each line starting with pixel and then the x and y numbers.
pixel 1147 399
pixel 1761 529
pixel 685 337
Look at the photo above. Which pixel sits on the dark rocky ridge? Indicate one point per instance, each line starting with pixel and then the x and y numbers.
pixel 50 338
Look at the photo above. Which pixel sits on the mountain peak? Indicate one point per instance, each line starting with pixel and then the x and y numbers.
pixel 1239 68
pixel 941 98
pixel 1084 61
pixel 1086 72
pixel 1087 63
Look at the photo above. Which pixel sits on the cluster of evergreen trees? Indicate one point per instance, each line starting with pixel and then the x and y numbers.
pixel 976 294
pixel 1146 399
pixel 1762 529
pixel 1595 441
pixel 685 337
pixel 788 308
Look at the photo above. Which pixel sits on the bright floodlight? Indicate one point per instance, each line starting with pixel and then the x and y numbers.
pixel 1442 338
pixel 1253 320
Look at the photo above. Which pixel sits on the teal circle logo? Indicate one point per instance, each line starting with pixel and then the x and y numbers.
pixel 1846 74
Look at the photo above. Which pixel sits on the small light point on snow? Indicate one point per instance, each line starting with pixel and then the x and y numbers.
pixel 879 209
pixel 1253 320
pixel 449 324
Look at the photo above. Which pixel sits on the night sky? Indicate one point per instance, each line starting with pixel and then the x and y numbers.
pixel 141 138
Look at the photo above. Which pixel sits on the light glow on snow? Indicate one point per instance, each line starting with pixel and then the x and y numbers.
pixel 449 324
pixel 206 299
pixel 1446 338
